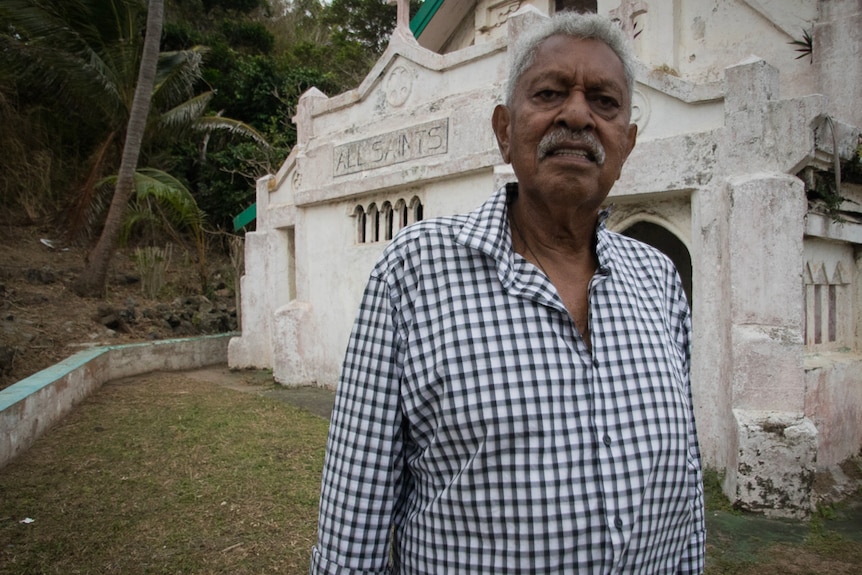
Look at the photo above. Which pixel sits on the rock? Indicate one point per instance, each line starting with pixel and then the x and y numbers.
pixel 111 319
pixel 7 358
pixel 42 276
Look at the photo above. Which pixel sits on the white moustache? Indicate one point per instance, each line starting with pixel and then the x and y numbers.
pixel 561 137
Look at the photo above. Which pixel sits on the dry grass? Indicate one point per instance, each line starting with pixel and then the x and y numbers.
pixel 166 475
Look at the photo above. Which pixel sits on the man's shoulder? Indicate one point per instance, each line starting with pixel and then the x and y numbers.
pixel 638 257
pixel 434 231
pixel 420 241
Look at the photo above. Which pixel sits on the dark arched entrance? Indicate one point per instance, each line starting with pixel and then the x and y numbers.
pixel 670 245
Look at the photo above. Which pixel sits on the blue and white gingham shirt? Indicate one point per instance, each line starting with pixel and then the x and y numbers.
pixel 474 432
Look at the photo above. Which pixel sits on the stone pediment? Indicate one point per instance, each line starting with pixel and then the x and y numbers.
pixel 405 64
pixel 413 113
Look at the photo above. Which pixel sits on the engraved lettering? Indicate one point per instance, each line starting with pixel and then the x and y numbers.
pixel 413 143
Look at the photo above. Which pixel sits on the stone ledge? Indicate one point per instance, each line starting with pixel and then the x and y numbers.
pixel 775 463
pixel 34 404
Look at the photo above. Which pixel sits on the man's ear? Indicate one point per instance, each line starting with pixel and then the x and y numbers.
pixel 632 139
pixel 500 121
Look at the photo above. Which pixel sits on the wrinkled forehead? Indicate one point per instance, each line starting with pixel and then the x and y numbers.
pixel 525 57
pixel 566 59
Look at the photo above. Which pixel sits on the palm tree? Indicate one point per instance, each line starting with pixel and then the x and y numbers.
pixel 86 54
pixel 91 282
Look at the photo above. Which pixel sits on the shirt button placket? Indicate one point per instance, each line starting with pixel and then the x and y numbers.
pixel 614 521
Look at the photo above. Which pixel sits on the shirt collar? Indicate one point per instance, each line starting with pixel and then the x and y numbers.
pixel 487 230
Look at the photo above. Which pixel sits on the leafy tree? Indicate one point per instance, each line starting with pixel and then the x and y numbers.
pixel 86 52
pixel 91 282
pixel 68 72
pixel 365 22
pixel 260 83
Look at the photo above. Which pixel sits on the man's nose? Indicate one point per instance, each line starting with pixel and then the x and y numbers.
pixel 576 113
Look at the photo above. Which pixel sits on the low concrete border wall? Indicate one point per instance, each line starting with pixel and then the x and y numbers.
pixel 31 406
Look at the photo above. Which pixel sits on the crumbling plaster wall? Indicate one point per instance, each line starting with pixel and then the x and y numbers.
pixel 698 40
pixel 719 139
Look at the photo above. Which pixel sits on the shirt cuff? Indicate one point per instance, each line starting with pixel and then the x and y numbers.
pixel 322 566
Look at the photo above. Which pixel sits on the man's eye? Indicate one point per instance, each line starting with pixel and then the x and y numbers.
pixel 606 103
pixel 546 95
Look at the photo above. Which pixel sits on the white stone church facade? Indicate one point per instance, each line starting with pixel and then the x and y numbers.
pixel 732 129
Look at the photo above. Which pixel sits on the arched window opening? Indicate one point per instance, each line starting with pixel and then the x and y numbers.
pixel 416 210
pixel 388 223
pixel 374 223
pixel 670 245
pixel 361 222
pixel 402 211
pixel 827 280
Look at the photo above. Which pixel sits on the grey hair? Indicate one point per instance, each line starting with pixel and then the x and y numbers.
pixel 576 25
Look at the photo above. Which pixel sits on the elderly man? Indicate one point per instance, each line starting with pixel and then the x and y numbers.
pixel 515 396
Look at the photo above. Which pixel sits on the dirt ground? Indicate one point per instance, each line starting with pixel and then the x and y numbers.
pixel 42 321
pixel 45 322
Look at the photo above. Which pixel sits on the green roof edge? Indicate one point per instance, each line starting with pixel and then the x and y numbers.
pixel 417 26
pixel 247 216
pixel 423 16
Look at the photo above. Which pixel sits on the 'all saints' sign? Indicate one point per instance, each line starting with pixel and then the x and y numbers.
pixel 420 141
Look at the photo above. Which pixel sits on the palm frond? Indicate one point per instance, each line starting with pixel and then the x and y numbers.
pixel 209 124
pixel 183 116
pixel 805 46
pixel 160 197
pixel 56 46
pixel 177 74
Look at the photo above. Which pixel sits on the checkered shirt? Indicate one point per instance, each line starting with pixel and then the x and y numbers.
pixel 475 433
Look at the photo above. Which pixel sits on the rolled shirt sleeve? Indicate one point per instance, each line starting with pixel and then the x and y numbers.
pixel 363 463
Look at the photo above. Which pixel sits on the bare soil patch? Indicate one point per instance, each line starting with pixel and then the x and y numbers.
pixel 42 321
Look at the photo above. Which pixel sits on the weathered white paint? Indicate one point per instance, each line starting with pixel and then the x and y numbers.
pixel 727 118
pixel 32 406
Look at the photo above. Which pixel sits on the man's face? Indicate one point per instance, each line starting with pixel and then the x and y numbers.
pixel 567 131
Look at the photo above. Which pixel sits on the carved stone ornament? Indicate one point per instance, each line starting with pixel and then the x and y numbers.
pixel 640 110
pixel 495 13
pixel 399 84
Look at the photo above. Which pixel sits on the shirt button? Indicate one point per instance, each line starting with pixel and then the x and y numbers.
pixel 607 440
pixel 596 363
pixel 618 523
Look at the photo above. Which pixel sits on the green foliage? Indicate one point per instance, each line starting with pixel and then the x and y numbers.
pixel 228 67
pixel 250 35
pixel 225 183
pixel 235 6
pixel 822 188
pixel 805 46
pixel 160 201
pixel 84 61
pixel 366 22
pixel 825 193
pixel 714 496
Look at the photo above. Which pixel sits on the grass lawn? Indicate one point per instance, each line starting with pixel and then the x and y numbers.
pixel 166 473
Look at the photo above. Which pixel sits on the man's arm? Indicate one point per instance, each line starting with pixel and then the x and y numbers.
pixel 692 562
pixel 363 455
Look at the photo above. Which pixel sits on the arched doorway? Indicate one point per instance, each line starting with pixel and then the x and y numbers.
pixel 670 245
